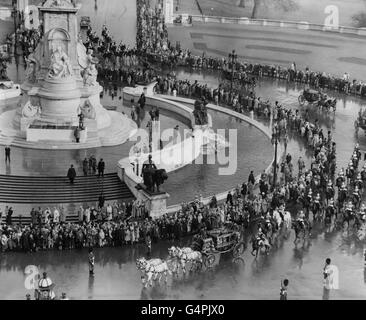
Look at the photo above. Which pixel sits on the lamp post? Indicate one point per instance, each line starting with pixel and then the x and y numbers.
pixel 156 20
pixel 15 13
pixel 232 57
pixel 275 140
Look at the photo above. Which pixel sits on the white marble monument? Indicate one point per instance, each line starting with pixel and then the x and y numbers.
pixel 61 83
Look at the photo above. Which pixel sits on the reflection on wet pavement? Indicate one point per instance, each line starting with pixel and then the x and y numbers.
pixel 117 277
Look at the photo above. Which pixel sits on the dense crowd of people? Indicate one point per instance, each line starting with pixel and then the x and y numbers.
pixel 110 225
pixel 121 224
pixel 152 32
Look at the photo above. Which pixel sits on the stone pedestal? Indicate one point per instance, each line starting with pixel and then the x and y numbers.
pixel 57 135
pixel 156 204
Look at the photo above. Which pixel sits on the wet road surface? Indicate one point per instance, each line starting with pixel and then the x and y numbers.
pixel 117 277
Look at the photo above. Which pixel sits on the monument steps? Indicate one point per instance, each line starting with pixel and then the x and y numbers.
pixel 56 190
pixel 11 191
pixel 58 185
pixel 89 178
pixel 22 143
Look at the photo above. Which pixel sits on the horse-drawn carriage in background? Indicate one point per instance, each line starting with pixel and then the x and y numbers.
pixel 239 76
pixel 321 100
pixel 218 242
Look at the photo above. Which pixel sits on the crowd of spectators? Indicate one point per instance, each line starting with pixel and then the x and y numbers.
pixel 152 32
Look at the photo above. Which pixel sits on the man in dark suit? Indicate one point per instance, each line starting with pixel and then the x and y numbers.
pixel 7 153
pixel 251 178
pixel 142 101
pixel 101 201
pixel 71 174
pixel 101 167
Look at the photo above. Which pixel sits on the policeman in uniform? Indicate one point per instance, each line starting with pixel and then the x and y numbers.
pixel 91 261
pixel 331 209
pixel 301 219
pixel 356 194
pixel 283 289
pixel 358 182
pixel 349 208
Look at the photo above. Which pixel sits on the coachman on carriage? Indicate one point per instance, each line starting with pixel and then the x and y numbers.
pixel 218 242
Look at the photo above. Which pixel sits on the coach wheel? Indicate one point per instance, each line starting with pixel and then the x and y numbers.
pixel 301 100
pixel 238 260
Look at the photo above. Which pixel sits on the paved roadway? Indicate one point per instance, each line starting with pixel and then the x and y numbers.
pixel 116 275
pixel 117 278
pixel 322 51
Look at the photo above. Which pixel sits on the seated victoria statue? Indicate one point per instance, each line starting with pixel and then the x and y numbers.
pixel 60 66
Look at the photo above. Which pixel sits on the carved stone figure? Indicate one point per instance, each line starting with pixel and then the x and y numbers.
pixel 60 66
pixel 30 72
pixel 90 75
pixel 62 3
pixel 87 110
pixel 32 109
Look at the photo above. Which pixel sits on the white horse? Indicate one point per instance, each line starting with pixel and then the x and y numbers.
pixel 174 254
pixel 185 255
pixel 287 220
pixel 152 270
pixel 277 217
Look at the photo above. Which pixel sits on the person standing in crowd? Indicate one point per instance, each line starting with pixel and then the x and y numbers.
pixel 142 101
pixel 101 201
pixel 301 165
pixel 85 166
pixel 229 199
pixel 9 216
pixel 283 289
pixel 77 134
pixel 91 261
pixel 7 154
pixel 62 214
pixel 71 174
pixel 148 244
pixel 251 178
pixel 101 167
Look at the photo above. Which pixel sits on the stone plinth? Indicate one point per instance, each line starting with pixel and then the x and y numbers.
pixel 58 98
pixel 61 83
pixel 156 203
pixel 62 134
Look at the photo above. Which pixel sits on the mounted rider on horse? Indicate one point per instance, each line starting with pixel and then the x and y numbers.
pixel 330 211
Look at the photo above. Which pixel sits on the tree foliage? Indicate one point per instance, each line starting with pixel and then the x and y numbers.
pixel 283 5
pixel 359 20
